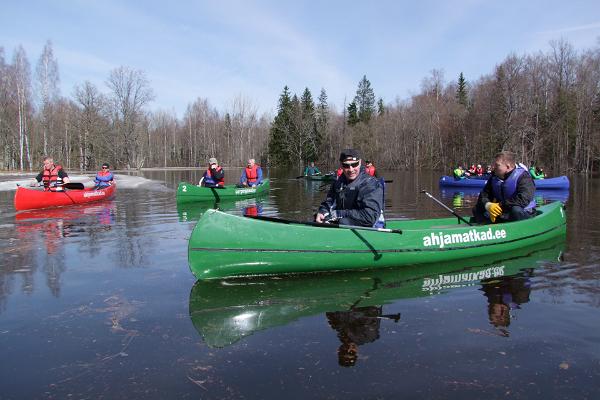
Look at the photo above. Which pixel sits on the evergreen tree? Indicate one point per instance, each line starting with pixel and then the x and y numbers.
pixel 309 127
pixel 280 130
pixel 322 119
pixel 462 91
pixel 380 107
pixel 353 114
pixel 365 100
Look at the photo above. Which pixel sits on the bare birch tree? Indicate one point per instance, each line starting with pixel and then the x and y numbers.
pixel 47 80
pixel 130 93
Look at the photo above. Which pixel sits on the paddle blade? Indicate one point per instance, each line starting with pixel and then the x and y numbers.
pixel 74 185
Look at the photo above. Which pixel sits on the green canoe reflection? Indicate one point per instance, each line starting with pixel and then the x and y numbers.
pixel 225 311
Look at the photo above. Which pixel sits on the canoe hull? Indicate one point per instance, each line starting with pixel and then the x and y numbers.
pixel 223 245
pixel 30 199
pixel 326 177
pixel 556 183
pixel 186 192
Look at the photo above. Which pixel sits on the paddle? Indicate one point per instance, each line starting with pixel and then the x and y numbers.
pixel 73 185
pixel 70 185
pixel 320 225
pixel 447 208
pixel 300 176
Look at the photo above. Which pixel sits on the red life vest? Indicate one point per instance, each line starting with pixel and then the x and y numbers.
pixel 210 179
pixel 252 173
pixel 339 171
pixel 479 171
pixel 370 170
pixel 50 178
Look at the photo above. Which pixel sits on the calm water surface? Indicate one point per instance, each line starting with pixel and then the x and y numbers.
pixel 98 301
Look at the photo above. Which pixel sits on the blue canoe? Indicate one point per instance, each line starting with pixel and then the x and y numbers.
pixel 559 182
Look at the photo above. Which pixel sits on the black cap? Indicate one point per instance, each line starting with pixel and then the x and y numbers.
pixel 349 155
pixel 106 165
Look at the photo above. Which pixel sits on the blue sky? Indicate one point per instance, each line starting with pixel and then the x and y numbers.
pixel 219 50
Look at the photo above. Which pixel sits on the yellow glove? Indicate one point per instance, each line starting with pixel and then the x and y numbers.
pixel 494 209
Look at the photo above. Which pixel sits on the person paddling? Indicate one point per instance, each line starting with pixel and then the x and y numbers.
pixel 104 178
pixel 53 176
pixel 355 198
pixel 311 170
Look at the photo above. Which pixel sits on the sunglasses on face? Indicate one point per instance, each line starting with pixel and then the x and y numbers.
pixel 348 165
pixel 104 167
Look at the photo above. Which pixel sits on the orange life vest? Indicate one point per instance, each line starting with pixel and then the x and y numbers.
pixel 252 173
pixel 220 182
pixel 51 179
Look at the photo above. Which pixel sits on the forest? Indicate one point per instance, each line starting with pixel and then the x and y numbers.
pixel 543 106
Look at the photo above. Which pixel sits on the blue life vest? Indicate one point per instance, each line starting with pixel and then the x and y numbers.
pixel 505 189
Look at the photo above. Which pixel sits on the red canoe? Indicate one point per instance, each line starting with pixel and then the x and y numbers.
pixel 28 199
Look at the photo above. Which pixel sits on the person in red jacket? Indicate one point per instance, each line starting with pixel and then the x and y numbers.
pixel 52 176
pixel 370 168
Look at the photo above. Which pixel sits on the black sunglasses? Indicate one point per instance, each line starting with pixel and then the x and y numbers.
pixel 348 165
pixel 104 167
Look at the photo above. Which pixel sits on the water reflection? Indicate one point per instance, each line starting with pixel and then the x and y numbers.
pixel 356 327
pixel 47 230
pixel 504 295
pixel 226 311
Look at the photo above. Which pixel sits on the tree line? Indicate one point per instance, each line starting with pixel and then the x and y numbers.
pixel 543 106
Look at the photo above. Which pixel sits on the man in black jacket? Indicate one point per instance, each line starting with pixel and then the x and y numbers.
pixel 355 198
pixel 508 195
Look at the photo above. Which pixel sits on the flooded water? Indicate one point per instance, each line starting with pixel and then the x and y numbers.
pixel 97 301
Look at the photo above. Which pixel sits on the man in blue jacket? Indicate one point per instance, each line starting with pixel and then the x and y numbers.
pixel 508 195
pixel 355 198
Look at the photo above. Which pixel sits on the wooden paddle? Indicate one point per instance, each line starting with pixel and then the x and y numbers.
pixel 323 225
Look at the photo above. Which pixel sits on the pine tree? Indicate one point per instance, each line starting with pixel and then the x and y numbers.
pixel 353 114
pixel 380 107
pixel 365 100
pixel 309 126
pixel 280 130
pixel 462 91
pixel 322 119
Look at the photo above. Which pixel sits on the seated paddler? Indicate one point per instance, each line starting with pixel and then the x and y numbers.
pixel 311 170
pixel 508 194
pixel 355 198
pixel 214 176
pixel 104 178
pixel 252 175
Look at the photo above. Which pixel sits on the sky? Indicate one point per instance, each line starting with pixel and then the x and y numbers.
pixel 226 50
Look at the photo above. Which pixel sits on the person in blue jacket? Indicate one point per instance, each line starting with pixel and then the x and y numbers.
pixel 355 198
pixel 104 178
pixel 508 195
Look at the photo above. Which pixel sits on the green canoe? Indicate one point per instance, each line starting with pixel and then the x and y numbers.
pixel 327 177
pixel 186 192
pixel 225 311
pixel 223 245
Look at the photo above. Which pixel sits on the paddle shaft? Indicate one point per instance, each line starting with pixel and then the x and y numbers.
pixel 446 207
pixel 323 225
